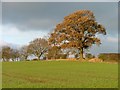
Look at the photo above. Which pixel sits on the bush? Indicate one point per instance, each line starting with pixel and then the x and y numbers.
pixel 35 59
pixel 58 56
pixel 89 56
pixel 109 56
pixel 63 56
pixel 27 60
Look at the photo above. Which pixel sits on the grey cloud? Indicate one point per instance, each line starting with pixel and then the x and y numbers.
pixel 37 24
pixel 44 15
pixel 106 47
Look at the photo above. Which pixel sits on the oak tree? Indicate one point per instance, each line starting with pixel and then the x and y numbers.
pixel 78 30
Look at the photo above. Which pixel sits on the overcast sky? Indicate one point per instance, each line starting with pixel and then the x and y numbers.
pixel 25 21
pixel 59 0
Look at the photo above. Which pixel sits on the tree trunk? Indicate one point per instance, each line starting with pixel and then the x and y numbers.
pixel 39 56
pixel 26 57
pixel 81 53
pixel 4 59
pixel 12 59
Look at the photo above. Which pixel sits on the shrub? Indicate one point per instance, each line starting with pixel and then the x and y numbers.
pixel 63 56
pixel 109 56
pixel 35 59
pixel 58 56
pixel 89 56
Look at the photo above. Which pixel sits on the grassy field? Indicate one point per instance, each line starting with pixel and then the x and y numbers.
pixel 59 74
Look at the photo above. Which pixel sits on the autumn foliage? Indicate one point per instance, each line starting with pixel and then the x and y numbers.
pixel 78 30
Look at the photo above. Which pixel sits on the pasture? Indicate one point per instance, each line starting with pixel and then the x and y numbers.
pixel 59 74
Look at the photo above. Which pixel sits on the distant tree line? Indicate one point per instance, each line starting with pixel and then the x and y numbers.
pixel 38 47
pixel 47 52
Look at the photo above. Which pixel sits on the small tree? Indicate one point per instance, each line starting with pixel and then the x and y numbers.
pixel 77 30
pixel 89 56
pixel 6 53
pixel 24 52
pixel 53 52
pixel 15 54
pixel 38 47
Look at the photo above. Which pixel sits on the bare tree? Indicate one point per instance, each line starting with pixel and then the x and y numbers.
pixel 38 47
pixel 23 52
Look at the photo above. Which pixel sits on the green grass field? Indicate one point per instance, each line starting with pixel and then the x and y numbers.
pixel 59 74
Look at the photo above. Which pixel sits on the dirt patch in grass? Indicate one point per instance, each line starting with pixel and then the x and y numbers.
pixel 95 60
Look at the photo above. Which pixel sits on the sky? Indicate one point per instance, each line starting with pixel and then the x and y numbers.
pixel 25 21
pixel 59 0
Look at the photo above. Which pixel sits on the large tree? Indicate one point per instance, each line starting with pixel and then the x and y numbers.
pixel 78 30
pixel 38 47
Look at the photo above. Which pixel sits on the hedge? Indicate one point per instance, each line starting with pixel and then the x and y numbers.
pixel 109 56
